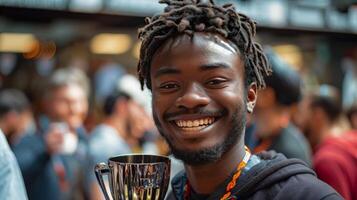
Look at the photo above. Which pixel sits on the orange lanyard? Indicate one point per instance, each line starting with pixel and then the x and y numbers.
pixel 232 183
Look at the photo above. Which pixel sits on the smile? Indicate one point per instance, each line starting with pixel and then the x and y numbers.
pixel 196 124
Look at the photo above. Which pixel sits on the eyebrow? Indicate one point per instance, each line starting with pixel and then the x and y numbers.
pixel 166 70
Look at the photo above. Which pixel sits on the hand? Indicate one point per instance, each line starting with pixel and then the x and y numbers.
pixel 54 140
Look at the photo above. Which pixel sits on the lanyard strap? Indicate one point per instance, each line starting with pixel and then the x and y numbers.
pixel 231 184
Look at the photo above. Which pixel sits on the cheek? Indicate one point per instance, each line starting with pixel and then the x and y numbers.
pixel 157 110
pixel 60 108
pixel 312 123
pixel 161 103
pixel 81 107
pixel 231 98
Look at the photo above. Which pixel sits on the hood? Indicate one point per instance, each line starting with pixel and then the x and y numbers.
pixel 272 169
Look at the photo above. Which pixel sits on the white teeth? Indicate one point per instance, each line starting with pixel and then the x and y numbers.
pixel 189 123
pixel 193 128
pixel 206 121
pixel 194 123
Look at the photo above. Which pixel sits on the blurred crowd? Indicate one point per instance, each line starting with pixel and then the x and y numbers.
pixel 58 140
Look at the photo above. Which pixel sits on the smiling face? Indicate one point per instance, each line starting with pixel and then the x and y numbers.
pixel 199 96
pixel 68 104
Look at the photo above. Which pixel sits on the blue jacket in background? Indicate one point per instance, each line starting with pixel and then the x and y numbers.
pixel 37 166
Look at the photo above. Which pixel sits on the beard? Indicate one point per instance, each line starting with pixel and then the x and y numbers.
pixel 213 153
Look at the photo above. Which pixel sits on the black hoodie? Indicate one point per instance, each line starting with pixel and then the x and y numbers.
pixel 274 177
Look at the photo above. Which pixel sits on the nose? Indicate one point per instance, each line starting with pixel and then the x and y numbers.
pixel 193 96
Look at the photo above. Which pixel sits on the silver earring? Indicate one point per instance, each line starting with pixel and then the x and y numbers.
pixel 250 108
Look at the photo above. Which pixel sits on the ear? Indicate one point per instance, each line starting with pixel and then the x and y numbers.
pixel 252 94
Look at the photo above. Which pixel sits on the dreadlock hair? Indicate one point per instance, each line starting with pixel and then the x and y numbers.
pixel 189 16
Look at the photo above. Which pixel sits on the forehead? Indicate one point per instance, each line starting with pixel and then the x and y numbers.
pixel 205 41
pixel 69 90
pixel 201 48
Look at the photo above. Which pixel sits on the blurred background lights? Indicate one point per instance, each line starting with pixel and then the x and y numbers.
pixel 34 51
pixel 16 42
pixel 290 54
pixel 136 50
pixel 277 14
pixel 43 49
pixel 107 43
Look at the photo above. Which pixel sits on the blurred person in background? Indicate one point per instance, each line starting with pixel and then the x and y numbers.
pixel 105 79
pixel 335 155
pixel 15 115
pixel 141 129
pixel 112 133
pixel 110 137
pixel 274 109
pixel 352 116
pixel 322 112
pixel 55 161
pixel 11 183
pixel 122 132
pixel 143 134
pixel 299 116
pixel 126 127
pixel 349 84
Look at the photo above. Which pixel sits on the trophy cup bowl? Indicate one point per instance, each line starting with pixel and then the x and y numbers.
pixel 135 177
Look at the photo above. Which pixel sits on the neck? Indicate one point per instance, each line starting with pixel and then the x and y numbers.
pixel 201 178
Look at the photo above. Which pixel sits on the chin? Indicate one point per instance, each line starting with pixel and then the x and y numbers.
pixel 209 153
pixel 200 156
pixel 74 125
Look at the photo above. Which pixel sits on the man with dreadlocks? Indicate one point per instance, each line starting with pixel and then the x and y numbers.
pixel 203 68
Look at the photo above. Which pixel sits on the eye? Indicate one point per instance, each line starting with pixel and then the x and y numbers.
pixel 168 86
pixel 216 82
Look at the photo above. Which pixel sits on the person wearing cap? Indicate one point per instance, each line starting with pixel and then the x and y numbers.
pixel 274 109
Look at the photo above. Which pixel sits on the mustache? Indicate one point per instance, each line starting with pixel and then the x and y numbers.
pixel 198 111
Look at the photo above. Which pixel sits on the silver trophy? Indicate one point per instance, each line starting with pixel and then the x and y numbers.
pixel 135 177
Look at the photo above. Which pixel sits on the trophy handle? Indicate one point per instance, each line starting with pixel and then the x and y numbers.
pixel 100 170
